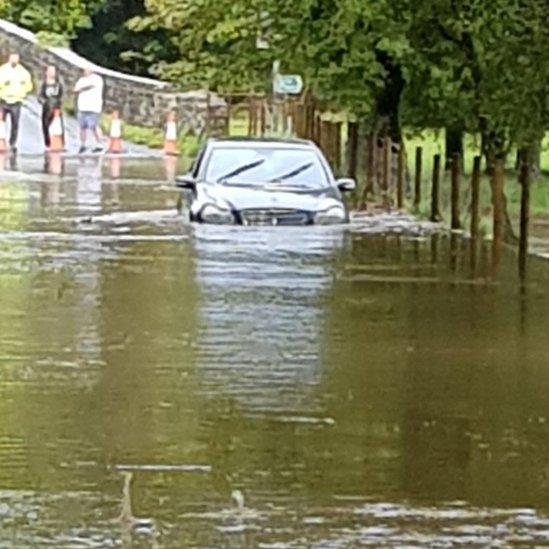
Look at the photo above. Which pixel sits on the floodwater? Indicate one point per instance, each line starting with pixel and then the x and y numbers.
pixel 168 385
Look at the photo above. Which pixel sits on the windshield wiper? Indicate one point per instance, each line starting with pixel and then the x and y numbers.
pixel 293 173
pixel 240 169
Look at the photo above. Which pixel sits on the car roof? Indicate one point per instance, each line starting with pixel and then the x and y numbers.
pixel 263 142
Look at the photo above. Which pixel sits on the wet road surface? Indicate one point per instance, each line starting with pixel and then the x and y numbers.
pixel 168 385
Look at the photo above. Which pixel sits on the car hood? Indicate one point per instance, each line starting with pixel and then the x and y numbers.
pixel 239 197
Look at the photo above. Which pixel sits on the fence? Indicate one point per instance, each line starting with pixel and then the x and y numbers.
pixel 385 167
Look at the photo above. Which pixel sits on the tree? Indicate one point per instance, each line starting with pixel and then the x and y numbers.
pixel 350 52
pixel 216 41
pixel 481 68
pixel 353 53
pixel 57 16
pixel 119 47
pixel 463 65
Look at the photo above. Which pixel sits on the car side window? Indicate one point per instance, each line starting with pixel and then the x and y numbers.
pixel 197 162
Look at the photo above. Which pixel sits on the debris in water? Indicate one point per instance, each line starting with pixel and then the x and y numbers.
pixel 306 420
pixel 164 468
pixel 237 498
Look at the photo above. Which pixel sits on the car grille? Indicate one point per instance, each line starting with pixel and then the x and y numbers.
pixel 274 217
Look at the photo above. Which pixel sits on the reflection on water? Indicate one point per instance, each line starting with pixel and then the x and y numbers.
pixel 163 385
pixel 261 315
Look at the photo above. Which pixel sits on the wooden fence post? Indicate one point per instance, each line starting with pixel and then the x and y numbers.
pixel 524 180
pixel 455 175
pixel 324 138
pixel 310 130
pixel 299 122
pixel 352 145
pixel 330 142
pixel 228 121
pixel 337 145
pixel 400 175
pixel 263 116
pixel 208 122
pixel 435 190
pixel 371 166
pixel 418 173
pixel 379 156
pixel 317 129
pixel 498 178
pixel 386 177
pixel 250 116
pixel 475 193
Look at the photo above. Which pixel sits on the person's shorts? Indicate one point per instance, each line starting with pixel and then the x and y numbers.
pixel 88 120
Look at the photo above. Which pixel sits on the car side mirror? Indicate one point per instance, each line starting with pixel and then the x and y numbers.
pixel 346 184
pixel 186 181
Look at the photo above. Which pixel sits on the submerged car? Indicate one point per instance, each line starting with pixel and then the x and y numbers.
pixel 264 182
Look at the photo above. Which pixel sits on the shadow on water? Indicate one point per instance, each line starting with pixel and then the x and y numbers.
pixel 167 385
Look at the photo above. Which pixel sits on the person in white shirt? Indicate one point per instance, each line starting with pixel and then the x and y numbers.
pixel 89 91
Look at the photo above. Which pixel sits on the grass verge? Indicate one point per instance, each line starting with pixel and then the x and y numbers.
pixel 433 143
pixel 153 138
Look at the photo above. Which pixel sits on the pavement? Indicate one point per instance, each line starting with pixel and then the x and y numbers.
pixel 30 142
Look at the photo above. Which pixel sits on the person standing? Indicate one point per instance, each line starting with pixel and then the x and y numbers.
pixel 51 98
pixel 15 85
pixel 89 91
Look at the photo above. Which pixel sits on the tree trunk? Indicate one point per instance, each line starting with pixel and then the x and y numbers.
pixel 507 231
pixel 492 146
pixel 534 161
pixel 388 100
pixel 509 236
pixel 453 145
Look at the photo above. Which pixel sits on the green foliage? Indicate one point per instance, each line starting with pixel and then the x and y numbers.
pixel 52 39
pixel 215 39
pixel 473 65
pixel 120 48
pixel 55 16
pixel 482 67
pixel 476 66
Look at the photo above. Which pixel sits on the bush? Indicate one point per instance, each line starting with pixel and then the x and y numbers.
pixel 48 39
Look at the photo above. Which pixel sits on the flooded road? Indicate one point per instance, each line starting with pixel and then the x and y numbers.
pixel 166 385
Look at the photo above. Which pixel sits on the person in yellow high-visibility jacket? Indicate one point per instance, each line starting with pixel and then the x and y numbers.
pixel 15 85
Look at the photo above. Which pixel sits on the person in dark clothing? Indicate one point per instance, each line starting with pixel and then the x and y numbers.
pixel 51 98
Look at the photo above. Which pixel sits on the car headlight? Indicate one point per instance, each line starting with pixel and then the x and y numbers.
pixel 215 214
pixel 331 216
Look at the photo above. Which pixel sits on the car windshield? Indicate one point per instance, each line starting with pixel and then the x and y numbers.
pixel 259 166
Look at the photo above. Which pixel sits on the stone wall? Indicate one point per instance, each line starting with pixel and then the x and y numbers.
pixel 142 101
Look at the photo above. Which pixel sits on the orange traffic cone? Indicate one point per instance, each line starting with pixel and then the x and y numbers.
pixel 115 136
pixel 3 134
pixel 170 141
pixel 57 140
